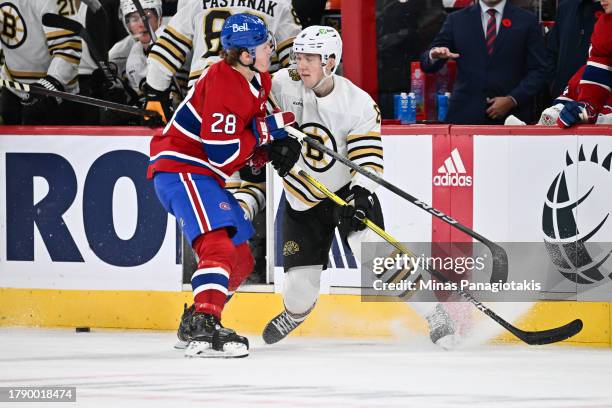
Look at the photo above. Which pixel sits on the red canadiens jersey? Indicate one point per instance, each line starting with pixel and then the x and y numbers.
pixel 596 81
pixel 572 91
pixel 210 132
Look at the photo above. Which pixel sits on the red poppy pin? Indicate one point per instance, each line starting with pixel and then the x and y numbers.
pixel 507 22
pixel 598 13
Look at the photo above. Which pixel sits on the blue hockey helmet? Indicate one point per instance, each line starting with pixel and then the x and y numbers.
pixel 244 31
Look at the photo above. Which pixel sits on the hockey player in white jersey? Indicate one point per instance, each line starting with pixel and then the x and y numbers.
pixel 40 56
pixel 192 37
pixel 346 119
pixel 136 62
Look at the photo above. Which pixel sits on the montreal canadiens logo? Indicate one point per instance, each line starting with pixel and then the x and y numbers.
pixel 224 206
pixel 577 232
pixel 452 173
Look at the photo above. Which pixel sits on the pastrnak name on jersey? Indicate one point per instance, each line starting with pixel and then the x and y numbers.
pixel 265 6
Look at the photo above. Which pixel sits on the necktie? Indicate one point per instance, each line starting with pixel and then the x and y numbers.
pixel 491 30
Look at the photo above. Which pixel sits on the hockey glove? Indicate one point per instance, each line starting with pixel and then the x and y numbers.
pixel 352 216
pixel 271 127
pixel 49 83
pixel 158 101
pixel 42 110
pixel 575 112
pixel 284 153
pixel 109 89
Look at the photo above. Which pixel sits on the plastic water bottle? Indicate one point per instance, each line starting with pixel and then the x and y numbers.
pixel 403 104
pixel 412 112
pixel 443 106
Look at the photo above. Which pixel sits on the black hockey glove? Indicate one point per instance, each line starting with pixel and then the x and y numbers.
pixel 108 88
pixel 37 108
pixel 284 153
pixel 158 101
pixel 351 217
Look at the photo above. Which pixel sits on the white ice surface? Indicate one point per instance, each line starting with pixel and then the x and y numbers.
pixel 141 369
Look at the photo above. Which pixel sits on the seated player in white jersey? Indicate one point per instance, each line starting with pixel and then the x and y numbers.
pixel 347 120
pixel 136 63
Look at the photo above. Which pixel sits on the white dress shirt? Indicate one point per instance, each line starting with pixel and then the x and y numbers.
pixel 484 15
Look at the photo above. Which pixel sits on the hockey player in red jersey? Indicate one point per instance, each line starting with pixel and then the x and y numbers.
pixel 571 93
pixel 596 82
pixel 214 132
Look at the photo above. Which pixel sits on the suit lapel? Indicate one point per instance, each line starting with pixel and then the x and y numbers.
pixel 476 25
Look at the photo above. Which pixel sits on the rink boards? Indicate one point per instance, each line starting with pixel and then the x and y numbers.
pixel 86 244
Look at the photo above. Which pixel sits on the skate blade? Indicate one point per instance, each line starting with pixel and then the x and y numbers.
pixel 449 342
pixel 181 345
pixel 203 349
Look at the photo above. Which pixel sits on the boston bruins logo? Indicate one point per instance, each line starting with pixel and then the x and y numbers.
pixel 316 160
pixel 290 248
pixel 14 31
pixel 293 74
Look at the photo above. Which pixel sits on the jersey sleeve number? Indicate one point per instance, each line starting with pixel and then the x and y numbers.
pixel 224 123
pixel 66 7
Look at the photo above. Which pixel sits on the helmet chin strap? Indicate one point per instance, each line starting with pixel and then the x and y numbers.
pixel 250 66
pixel 322 80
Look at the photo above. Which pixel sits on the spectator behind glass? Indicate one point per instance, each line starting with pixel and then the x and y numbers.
pixel 500 62
pixel 404 29
pixel 568 41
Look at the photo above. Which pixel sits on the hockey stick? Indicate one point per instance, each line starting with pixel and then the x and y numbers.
pixel 145 21
pixel 499 269
pixel 39 90
pixel 530 337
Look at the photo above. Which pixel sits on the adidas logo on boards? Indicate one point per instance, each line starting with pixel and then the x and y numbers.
pixel 452 172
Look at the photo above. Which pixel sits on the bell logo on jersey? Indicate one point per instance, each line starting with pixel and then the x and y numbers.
pixel 452 173
pixel 237 28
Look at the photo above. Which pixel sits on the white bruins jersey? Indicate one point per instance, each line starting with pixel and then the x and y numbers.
pixel 347 121
pixel 136 64
pixel 31 50
pixel 119 53
pixel 195 32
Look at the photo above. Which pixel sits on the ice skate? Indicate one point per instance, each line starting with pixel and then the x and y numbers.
pixel 184 331
pixel 209 339
pixel 279 327
pixel 442 329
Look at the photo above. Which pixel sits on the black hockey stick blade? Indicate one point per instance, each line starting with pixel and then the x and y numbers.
pixel 539 337
pixel 549 336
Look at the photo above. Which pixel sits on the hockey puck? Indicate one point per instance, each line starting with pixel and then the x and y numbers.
pixel 82 329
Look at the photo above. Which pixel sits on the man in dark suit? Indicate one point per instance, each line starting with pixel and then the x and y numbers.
pixel 500 62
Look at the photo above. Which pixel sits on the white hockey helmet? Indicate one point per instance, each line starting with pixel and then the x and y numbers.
pixel 127 7
pixel 322 40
